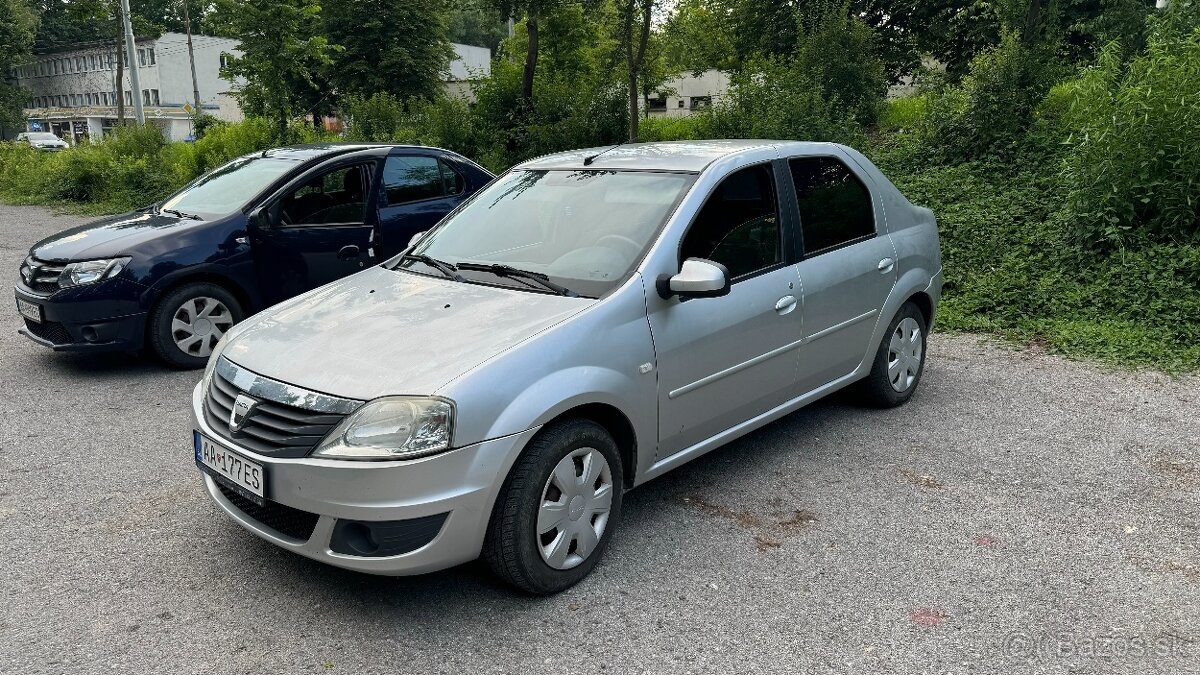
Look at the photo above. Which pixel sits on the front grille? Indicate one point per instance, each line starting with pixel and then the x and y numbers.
pixel 271 428
pixel 287 521
pixel 40 276
pixel 55 333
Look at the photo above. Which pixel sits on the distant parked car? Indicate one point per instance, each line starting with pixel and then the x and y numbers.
pixel 260 229
pixel 42 140
pixel 590 321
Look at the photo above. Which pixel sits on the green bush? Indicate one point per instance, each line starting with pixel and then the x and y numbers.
pixel 670 128
pixel 992 112
pixel 1133 163
pixel 777 98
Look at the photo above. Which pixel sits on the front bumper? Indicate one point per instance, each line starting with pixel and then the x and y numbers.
pixel 461 484
pixel 106 317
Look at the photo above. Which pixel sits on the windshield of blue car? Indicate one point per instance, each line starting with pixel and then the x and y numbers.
pixel 228 188
pixel 585 230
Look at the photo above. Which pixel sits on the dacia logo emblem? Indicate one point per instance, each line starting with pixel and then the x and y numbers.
pixel 243 405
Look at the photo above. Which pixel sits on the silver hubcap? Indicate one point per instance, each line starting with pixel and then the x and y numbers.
pixel 904 354
pixel 574 508
pixel 199 324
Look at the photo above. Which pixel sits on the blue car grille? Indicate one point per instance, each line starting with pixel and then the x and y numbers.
pixel 40 276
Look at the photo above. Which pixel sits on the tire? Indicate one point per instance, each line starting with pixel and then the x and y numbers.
pixel 883 388
pixel 514 549
pixel 206 309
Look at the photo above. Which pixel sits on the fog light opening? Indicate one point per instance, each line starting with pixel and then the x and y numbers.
pixel 360 538
pixel 89 333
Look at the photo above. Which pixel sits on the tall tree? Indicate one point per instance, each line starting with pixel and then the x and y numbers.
pixel 282 55
pixel 394 46
pixel 18 23
pixel 635 35
pixel 533 11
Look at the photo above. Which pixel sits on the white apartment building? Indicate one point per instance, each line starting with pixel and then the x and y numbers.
pixel 74 93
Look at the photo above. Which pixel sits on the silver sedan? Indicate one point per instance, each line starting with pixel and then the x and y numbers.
pixel 588 322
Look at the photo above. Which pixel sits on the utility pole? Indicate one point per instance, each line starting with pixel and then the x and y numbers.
pixel 187 26
pixel 134 80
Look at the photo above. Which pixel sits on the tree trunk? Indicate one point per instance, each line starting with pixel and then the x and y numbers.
pixel 1031 34
pixel 316 119
pixel 531 57
pixel 635 59
pixel 120 82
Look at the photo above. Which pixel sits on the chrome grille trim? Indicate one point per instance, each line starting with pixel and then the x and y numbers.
pixel 262 387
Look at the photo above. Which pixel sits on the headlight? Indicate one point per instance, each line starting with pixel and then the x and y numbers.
pixel 393 427
pixel 212 364
pixel 90 271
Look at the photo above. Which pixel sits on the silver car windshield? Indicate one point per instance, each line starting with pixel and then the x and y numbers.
pixel 228 187
pixel 585 230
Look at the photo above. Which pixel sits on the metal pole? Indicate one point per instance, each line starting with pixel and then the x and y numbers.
pixel 134 80
pixel 187 26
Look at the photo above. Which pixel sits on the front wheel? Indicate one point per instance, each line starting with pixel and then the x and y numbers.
pixel 899 362
pixel 557 509
pixel 187 323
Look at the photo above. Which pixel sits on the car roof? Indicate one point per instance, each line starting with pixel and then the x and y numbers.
pixel 691 156
pixel 310 151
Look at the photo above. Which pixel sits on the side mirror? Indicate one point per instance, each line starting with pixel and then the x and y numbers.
pixel 259 217
pixel 698 278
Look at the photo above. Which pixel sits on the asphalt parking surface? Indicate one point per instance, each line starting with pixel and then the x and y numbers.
pixel 1021 514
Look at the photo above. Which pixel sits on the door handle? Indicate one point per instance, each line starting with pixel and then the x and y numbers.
pixel 785 304
pixel 886 264
pixel 349 252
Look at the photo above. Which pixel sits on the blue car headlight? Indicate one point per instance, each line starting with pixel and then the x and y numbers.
pixel 91 271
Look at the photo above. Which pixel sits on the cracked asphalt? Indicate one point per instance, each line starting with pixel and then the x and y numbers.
pixel 1022 514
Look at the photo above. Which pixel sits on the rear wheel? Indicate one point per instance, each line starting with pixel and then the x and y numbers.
pixel 557 509
pixel 187 323
pixel 899 362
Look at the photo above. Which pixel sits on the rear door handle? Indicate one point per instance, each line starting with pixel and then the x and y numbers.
pixel 886 264
pixel 785 304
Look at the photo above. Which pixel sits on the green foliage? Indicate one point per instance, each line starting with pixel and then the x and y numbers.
pixel 777 98
pixel 17 26
pixel 1132 159
pixel 283 53
pixel 393 46
pixel 903 114
pixel 839 52
pixel 992 111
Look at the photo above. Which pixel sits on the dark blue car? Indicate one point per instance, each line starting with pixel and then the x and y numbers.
pixel 260 229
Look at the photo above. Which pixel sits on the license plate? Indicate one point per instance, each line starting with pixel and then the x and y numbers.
pixel 29 310
pixel 248 478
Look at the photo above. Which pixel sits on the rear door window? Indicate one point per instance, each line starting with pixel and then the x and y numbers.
pixel 835 206
pixel 414 178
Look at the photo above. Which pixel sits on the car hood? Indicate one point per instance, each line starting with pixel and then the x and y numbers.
pixel 383 332
pixel 108 237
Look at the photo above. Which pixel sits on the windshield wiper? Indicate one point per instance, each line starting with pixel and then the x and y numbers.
pixel 506 271
pixel 440 265
pixel 181 214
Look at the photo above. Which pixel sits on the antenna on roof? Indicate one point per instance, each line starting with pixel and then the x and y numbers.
pixel 587 161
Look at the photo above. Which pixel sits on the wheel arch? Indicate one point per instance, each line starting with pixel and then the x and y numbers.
pixel 617 425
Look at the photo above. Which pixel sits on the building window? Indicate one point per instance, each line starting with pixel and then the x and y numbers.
pixel 154 97
pixel 700 102
pixel 150 55
pixel 226 60
pixel 681 102
pixel 92 61
pixel 142 58
pixel 656 101
pixel 78 64
pixel 128 98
